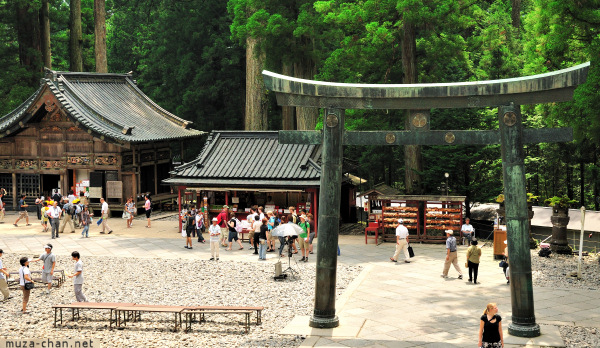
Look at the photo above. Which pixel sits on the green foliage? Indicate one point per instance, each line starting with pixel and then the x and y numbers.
pixel 562 202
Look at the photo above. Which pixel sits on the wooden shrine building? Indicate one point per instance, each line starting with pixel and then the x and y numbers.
pixel 244 169
pixel 89 132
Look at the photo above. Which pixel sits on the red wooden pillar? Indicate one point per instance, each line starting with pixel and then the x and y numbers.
pixel 226 198
pixel 179 188
pixel 314 207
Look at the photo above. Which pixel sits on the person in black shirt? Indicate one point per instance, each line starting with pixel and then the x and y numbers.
pixel 233 234
pixel 22 212
pixel 190 226
pixel 490 328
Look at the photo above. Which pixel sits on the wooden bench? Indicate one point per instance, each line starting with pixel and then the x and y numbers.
pixel 135 311
pixel 76 306
pixel 191 313
pixel 258 310
pixel 58 276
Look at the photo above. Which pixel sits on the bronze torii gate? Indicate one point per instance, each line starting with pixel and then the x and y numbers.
pixel 506 94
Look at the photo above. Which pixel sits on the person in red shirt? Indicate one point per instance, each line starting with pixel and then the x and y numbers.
pixel 222 219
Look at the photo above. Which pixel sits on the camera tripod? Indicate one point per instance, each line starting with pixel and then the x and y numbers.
pixel 293 273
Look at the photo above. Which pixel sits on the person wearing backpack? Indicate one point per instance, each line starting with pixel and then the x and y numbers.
pixel 69 211
pixel 234 224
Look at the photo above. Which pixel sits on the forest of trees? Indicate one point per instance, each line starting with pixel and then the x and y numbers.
pixel 202 59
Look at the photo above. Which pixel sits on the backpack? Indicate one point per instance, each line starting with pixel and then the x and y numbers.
pixel 72 209
pixel 185 223
pixel 238 226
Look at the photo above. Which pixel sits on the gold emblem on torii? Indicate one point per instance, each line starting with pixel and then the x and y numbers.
pixel 419 120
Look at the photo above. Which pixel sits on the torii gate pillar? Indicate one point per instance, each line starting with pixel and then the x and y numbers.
pixel 329 215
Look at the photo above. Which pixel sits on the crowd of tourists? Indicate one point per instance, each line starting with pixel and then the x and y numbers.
pixel 225 229
pixel 59 212
pixel 27 282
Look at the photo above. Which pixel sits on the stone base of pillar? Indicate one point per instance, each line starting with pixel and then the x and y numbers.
pixel 324 323
pixel 524 330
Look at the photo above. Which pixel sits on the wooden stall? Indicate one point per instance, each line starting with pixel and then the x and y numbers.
pixel 91 133
pixel 245 169
pixel 425 216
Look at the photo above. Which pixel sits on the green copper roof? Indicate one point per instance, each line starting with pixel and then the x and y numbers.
pixel 109 106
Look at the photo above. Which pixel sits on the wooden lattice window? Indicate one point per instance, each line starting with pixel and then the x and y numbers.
pixel 6 183
pixel 28 184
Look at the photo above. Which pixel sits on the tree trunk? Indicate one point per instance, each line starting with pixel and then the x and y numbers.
pixel 595 181
pixel 515 13
pixel 412 153
pixel 256 101
pixel 306 118
pixel 75 41
pixel 287 112
pixel 100 35
pixel 45 24
pixel 28 37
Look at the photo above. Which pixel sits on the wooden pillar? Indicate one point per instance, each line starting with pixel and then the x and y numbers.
pixel 179 188
pixel 155 176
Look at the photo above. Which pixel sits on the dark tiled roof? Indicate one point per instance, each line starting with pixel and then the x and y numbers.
pixel 108 105
pixel 250 159
pixel 382 189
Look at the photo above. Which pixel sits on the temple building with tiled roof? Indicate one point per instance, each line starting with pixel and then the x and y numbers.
pixel 89 132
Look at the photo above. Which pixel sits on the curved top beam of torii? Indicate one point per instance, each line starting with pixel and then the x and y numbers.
pixel 544 88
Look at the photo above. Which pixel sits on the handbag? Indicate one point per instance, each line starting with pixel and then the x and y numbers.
pixel 502 264
pixel 411 253
pixel 467 264
pixel 29 286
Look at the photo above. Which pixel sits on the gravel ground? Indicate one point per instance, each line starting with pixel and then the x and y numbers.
pixel 554 271
pixel 169 282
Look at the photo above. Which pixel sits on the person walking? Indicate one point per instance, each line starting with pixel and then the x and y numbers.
pixel 25 278
pixel 54 214
pixel 86 220
pixel 200 226
pixel 262 240
pixel 78 278
pixel 23 212
pixel 131 209
pixel 190 227
pixel 270 227
pixel 215 231
pixel 467 232
pixel 68 212
pixel 256 225
pixel 490 328
pixel 473 259
pixel 303 237
pixel 148 209
pixel 505 264
pixel 222 219
pixel 3 277
pixel 233 233
pixel 104 215
pixel 401 242
pixel 48 268
pixel 45 218
pixel 2 193
pixel 451 255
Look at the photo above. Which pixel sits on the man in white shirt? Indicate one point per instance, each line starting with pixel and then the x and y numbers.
pixel 401 242
pixel 467 232
pixel 104 214
pixel 54 214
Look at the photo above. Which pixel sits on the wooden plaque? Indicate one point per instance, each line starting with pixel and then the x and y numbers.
pixel 95 192
pixel 114 189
